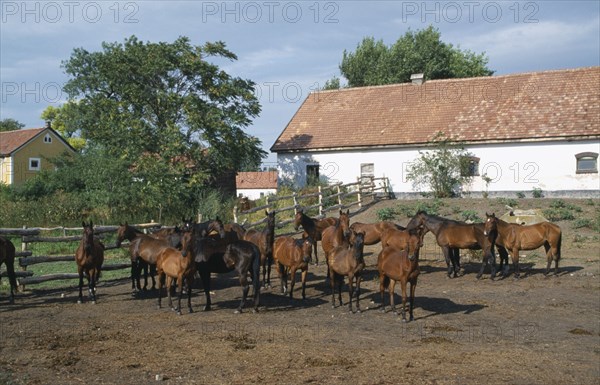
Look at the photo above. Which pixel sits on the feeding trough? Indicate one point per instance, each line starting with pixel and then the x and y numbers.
pixel 524 217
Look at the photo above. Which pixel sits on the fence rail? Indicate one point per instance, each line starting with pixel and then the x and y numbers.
pixel 31 236
pixel 338 193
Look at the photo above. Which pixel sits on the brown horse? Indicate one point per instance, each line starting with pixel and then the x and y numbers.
pixel 514 237
pixel 171 235
pixel 213 254
pixel 89 257
pixel 173 265
pixel 337 234
pixel 349 262
pixel 396 265
pixel 410 240
pixel 264 240
pixel 373 231
pixel 143 251
pixel 7 256
pixel 313 228
pixel 290 255
pixel 453 235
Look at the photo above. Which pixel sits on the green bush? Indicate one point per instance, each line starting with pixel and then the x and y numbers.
pixel 386 214
pixel 537 192
pixel 558 214
pixel 520 195
pixel 470 215
pixel 508 202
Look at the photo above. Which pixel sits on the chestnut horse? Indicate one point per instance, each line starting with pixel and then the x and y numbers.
pixel 349 262
pixel 264 240
pixel 403 240
pixel 89 257
pixel 453 235
pixel 514 237
pixel 399 265
pixel 290 255
pixel 212 254
pixel 313 228
pixel 7 256
pixel 335 235
pixel 173 265
pixel 373 231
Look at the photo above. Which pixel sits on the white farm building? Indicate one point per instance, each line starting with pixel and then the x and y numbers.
pixel 538 130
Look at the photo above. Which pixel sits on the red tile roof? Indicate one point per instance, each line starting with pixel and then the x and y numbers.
pixel 530 106
pixel 256 180
pixel 12 140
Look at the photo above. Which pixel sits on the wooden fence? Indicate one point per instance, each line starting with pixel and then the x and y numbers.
pixel 31 236
pixel 365 191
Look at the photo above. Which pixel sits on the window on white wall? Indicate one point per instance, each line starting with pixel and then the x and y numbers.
pixel 35 164
pixel 587 163
pixel 471 166
pixel 367 171
pixel 312 175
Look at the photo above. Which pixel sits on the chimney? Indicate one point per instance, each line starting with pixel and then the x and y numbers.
pixel 417 79
pixel 48 124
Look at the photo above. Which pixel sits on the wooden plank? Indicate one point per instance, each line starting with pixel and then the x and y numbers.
pixel 23 254
pixel 255 209
pixel 18 274
pixel 20 232
pixel 28 261
pixel 47 277
pixel 72 238
pixel 116 266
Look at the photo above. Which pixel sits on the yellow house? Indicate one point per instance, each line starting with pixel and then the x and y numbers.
pixel 24 153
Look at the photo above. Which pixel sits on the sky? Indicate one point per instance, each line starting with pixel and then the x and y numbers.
pixel 288 48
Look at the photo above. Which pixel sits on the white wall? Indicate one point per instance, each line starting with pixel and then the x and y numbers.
pixel 549 166
pixel 255 193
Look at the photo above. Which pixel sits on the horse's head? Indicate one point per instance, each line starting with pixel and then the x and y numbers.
pixel 187 238
pixel 298 219
pixel 415 242
pixel 306 245
pixel 121 233
pixel 358 244
pixel 490 225
pixel 88 236
pixel 270 219
pixel 217 226
pixel 418 220
pixel 345 223
pixel 187 224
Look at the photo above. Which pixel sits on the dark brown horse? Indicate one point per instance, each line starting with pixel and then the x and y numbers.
pixel 143 251
pixel 337 234
pixel 411 240
pixel 313 228
pixel 373 231
pixel 204 228
pixel 212 254
pixel 513 237
pixel 399 265
pixel 290 255
pixel 265 240
pixel 89 257
pixel 171 235
pixel 7 256
pixel 349 262
pixel 173 265
pixel 453 235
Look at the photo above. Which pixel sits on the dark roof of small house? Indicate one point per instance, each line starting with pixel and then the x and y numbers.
pixel 548 105
pixel 10 141
pixel 256 180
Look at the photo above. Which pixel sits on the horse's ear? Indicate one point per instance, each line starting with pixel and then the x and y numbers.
pixel 348 212
pixel 82 223
pixel 267 213
pixel 91 224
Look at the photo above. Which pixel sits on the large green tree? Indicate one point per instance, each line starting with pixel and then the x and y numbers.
pixel 10 124
pixel 164 107
pixel 422 51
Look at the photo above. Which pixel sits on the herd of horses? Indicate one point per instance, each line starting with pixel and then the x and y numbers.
pixel 177 255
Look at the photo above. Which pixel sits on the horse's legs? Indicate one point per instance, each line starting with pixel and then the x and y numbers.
pixel 551 253
pixel 168 283
pixel 245 289
pixel 382 286
pixel 152 274
pixel 332 284
pixel 80 271
pixel 12 278
pixel 448 257
pixel 91 276
pixel 282 277
pixel 413 285
pixel 350 292
pixel 160 285
pixel 357 292
pixel 392 288
pixel 515 259
pixel 205 277
pixel 315 248
pixel 340 282
pixel 180 289
pixel 403 287
pixel 455 257
pixel 503 259
pixel 292 273
pixel 304 274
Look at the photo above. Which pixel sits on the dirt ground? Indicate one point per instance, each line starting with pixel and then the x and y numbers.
pixel 534 330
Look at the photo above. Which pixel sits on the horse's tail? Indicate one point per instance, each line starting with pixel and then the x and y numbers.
pixel 386 281
pixel 558 246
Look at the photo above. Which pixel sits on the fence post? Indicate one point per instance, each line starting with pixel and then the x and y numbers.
pixel 267 203
pixel 320 201
pixel 359 195
pixel 235 214
pixel 339 196
pixel 294 197
pixel 24 247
